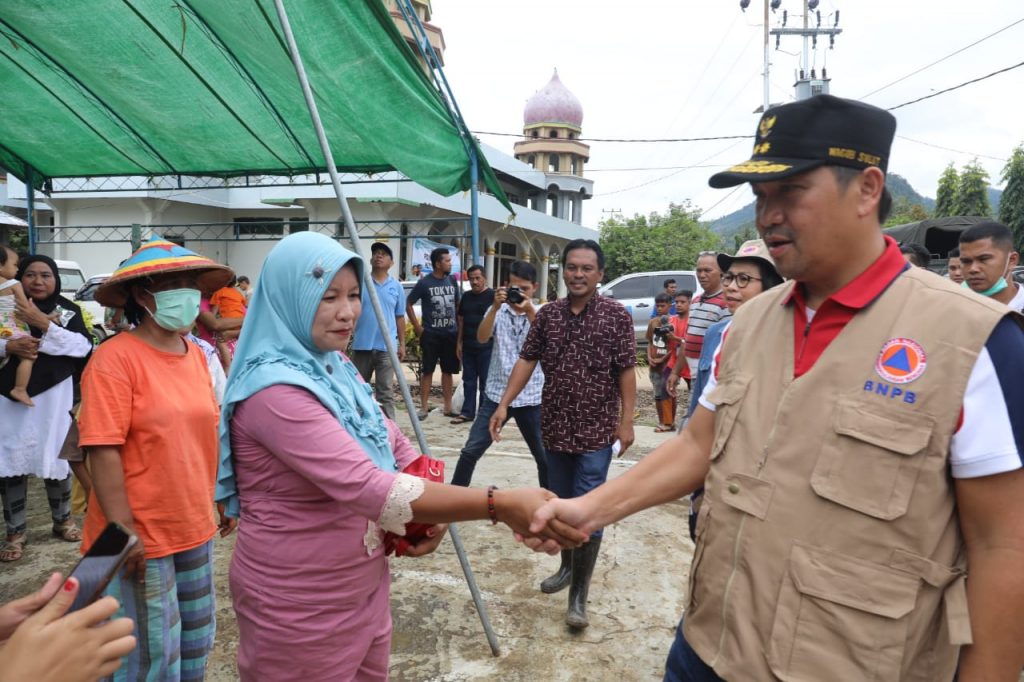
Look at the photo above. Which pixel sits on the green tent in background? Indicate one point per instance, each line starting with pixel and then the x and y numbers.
pixel 207 87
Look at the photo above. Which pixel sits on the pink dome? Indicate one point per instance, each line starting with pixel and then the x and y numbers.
pixel 553 104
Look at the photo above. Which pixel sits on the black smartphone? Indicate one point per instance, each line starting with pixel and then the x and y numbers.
pixel 99 565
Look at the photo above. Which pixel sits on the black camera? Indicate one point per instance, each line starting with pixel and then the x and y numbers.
pixel 514 295
pixel 663 329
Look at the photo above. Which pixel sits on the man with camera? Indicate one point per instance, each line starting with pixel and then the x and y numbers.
pixel 660 339
pixel 507 322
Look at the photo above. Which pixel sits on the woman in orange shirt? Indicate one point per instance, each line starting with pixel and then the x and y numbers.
pixel 149 424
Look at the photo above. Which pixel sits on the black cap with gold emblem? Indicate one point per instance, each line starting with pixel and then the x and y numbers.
pixel 819 131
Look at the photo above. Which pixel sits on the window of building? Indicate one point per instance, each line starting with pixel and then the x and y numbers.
pixel 533 134
pixel 574 166
pixel 259 227
pixel 553 163
pixel 299 224
pixel 553 133
pixel 532 160
pixel 514 199
pixel 572 136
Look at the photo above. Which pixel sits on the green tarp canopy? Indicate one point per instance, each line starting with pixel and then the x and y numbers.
pixel 207 87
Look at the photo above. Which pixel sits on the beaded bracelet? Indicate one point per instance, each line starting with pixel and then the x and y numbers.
pixel 491 511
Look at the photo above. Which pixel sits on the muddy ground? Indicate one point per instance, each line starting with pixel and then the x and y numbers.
pixel 636 596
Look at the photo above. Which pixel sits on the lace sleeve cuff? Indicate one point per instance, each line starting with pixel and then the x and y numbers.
pixel 397 510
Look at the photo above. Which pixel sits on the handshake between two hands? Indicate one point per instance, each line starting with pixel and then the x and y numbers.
pixel 542 521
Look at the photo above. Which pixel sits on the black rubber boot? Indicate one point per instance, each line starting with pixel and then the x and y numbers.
pixel 560 580
pixel 583 560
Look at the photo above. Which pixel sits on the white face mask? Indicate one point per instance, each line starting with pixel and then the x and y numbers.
pixel 176 309
pixel 1000 284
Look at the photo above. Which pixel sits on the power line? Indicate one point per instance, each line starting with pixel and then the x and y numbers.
pixel 957 87
pixel 717 203
pixel 950 149
pixel 606 139
pixel 938 61
pixel 666 177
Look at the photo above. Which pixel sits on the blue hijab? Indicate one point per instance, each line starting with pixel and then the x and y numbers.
pixel 276 347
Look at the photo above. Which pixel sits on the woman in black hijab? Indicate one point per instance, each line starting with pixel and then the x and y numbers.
pixel 31 438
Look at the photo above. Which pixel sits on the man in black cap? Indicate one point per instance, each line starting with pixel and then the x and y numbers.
pixel 369 354
pixel 858 454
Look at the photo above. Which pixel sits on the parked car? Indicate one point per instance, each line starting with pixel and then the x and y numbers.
pixel 71 276
pixel 1018 274
pixel 637 291
pixel 85 297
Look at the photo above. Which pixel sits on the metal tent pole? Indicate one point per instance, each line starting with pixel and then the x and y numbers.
pixel 474 203
pixel 430 58
pixel 368 284
pixel 30 196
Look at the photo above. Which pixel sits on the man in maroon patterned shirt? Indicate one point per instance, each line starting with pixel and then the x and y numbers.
pixel 586 346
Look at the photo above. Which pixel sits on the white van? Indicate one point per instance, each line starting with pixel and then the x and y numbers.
pixel 85 297
pixel 71 277
pixel 637 291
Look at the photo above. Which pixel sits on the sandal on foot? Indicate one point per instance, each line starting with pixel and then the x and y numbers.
pixel 67 531
pixel 452 414
pixel 13 547
pixel 661 428
pixel 460 419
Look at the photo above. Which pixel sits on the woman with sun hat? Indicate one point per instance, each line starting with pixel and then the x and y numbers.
pixel 149 424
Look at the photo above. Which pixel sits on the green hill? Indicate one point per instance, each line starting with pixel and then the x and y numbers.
pixel 736 222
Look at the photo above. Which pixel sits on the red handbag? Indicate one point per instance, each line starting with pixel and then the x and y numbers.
pixel 426 468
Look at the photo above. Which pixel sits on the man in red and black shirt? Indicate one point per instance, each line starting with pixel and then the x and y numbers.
pixel 586 346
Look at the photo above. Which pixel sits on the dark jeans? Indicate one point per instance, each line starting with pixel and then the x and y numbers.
pixel 475 364
pixel 576 475
pixel 684 665
pixel 527 419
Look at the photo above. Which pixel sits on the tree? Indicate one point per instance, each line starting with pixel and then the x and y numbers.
pixel 1011 206
pixel 746 235
pixel 667 241
pixel 972 193
pixel 905 211
pixel 945 196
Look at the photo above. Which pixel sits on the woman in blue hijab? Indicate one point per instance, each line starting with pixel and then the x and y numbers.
pixel 311 467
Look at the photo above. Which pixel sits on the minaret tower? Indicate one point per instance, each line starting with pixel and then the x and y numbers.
pixel 552 124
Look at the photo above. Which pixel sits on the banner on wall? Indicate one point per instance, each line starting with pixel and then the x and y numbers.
pixel 421 248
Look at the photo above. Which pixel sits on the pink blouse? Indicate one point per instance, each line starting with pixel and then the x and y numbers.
pixel 307 491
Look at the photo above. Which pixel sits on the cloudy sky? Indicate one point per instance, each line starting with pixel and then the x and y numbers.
pixel 661 69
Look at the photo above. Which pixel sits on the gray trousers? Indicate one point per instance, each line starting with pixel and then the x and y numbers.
pixel 377 363
pixel 14 491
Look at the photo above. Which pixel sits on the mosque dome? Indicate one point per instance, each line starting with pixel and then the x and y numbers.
pixel 553 104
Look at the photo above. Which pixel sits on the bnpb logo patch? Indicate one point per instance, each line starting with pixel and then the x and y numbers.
pixel 901 361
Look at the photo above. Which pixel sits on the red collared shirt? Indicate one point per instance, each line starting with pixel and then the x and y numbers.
pixel 812 338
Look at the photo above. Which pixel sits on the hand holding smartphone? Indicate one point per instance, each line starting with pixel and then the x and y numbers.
pixel 100 563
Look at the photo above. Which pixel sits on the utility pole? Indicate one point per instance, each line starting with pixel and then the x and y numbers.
pixel 808 84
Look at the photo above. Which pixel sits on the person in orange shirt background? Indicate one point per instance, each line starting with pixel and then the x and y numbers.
pixel 679 321
pixel 228 303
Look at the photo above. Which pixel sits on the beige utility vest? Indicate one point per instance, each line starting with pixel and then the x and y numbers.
pixel 828 546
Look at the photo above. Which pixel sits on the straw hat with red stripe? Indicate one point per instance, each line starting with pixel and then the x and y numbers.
pixel 159 257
